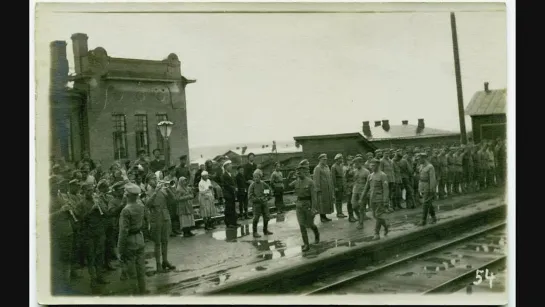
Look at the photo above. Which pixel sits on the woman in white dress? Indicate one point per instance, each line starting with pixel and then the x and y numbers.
pixel 206 201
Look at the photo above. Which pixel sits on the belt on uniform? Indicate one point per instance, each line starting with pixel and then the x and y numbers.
pixel 134 232
pixel 304 198
pixel 339 177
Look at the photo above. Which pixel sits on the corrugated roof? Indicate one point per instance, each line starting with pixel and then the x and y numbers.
pixel 487 103
pixel 267 150
pixel 357 135
pixel 406 131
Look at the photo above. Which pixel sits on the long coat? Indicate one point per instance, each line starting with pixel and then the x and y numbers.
pixel 324 184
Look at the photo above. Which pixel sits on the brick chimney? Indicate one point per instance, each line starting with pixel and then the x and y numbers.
pixel 59 65
pixel 420 126
pixel 244 148
pixel 377 123
pixel 386 125
pixel 486 87
pixel 404 122
pixel 366 129
pixel 80 48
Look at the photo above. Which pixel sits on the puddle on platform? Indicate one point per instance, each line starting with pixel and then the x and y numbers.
pixel 215 279
pixel 231 234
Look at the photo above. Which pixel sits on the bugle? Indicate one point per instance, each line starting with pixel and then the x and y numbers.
pixel 171 183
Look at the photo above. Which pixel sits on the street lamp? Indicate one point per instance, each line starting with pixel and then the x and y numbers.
pixel 165 127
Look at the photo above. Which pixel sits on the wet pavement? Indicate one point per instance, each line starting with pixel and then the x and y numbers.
pixel 214 258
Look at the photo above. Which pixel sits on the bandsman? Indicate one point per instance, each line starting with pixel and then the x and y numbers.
pixel 426 187
pixel 337 176
pixel 306 205
pixel 377 191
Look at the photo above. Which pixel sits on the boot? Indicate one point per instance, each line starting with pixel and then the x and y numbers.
pixel 167 266
pixel 339 209
pixel 386 227
pixel 316 234
pixel 351 219
pixel 255 233
pixel 304 234
pixel 375 237
pixel 159 268
pixel 265 228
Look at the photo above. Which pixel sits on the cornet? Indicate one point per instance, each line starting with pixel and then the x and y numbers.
pixel 171 184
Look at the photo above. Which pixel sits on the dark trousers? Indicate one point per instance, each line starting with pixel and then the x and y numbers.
pixel 175 221
pixel 409 192
pixel 110 243
pixel 427 206
pixel 339 195
pixel 61 258
pixel 279 199
pixel 78 249
pixel 230 212
pixel 94 244
pixel 242 198
pixel 134 261
pixel 442 186
pixel 392 188
pixel 349 207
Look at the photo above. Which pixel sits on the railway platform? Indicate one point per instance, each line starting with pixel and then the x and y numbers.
pixel 227 261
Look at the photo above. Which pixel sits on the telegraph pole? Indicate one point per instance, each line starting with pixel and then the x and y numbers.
pixel 461 114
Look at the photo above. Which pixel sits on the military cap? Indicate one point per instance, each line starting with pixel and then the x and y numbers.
pixel 132 188
pixel 300 166
pixel 357 158
pixel 373 161
pixel 322 156
pixel 350 157
pixel 338 156
pixel 304 162
pixel 378 150
pixel 423 154
pixel 118 186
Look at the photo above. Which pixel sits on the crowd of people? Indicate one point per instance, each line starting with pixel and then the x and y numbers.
pixel 98 216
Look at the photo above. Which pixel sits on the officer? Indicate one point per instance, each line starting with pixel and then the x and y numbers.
pixel 94 232
pixel 337 176
pixel 306 171
pixel 377 192
pixel 361 175
pixel 306 209
pixel 131 239
pixel 427 184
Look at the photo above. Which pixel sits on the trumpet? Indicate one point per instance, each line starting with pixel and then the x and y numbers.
pixel 171 183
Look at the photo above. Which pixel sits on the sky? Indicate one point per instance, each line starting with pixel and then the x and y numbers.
pixel 263 77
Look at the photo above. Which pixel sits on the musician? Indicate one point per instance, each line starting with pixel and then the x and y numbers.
pixel 112 225
pixel 94 232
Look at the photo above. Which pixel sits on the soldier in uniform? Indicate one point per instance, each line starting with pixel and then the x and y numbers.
pixel 259 195
pixel 377 191
pixel 337 176
pixel 349 181
pixel 386 167
pixel 160 224
pixel 78 253
pixel 115 205
pixel 370 157
pixel 324 188
pixel 398 183
pixel 406 172
pixel 361 175
pixel 426 187
pixel 443 163
pixel 305 191
pixel 277 183
pixel 94 231
pixel 104 197
pixel 434 160
pixel 131 240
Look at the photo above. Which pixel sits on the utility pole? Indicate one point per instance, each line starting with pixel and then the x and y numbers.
pixel 461 114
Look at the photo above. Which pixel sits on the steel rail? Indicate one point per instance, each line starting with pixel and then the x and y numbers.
pixel 460 281
pixel 391 265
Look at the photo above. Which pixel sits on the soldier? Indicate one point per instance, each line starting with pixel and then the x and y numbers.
pixel 94 231
pixel 337 176
pixel 370 157
pixel 376 190
pixel 104 198
pixel 396 160
pixel 349 179
pixel 434 160
pixel 426 187
pixel 115 206
pixel 443 180
pixel 451 158
pixel 131 240
pixel 361 174
pixel 477 167
pixel 386 167
pixel 277 183
pixel 259 195
pixel 324 188
pixel 406 171
pixel 61 218
pixel 78 253
pixel 160 224
pixel 306 171
pixel 305 191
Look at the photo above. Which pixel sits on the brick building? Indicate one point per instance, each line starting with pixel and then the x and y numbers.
pixel 487 109
pixel 114 106
pixel 384 135
pixel 332 144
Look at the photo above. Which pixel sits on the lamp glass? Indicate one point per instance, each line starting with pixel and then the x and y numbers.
pixel 168 130
pixel 165 127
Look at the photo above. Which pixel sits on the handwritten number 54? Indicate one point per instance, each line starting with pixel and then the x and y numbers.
pixel 487 276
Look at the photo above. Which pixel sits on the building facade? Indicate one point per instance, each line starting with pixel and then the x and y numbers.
pixel 384 135
pixel 487 109
pixel 115 104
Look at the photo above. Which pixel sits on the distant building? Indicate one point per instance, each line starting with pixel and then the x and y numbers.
pixel 265 156
pixel 384 135
pixel 115 104
pixel 332 144
pixel 487 109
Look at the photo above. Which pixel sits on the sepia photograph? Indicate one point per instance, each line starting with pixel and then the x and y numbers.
pixel 309 153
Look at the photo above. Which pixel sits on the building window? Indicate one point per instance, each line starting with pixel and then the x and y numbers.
pixel 160 143
pixel 141 132
pixel 120 136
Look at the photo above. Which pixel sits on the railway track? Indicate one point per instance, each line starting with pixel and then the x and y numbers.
pixel 475 259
